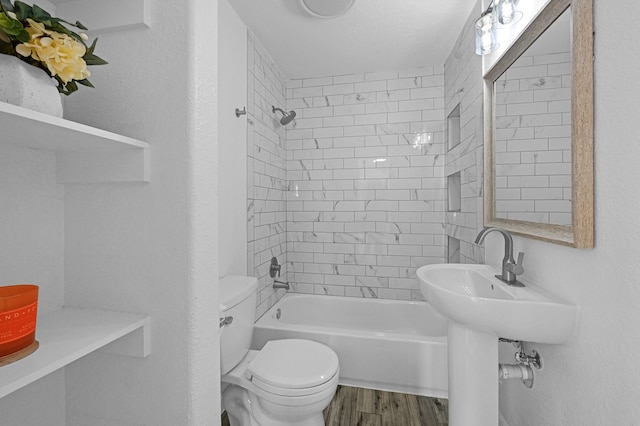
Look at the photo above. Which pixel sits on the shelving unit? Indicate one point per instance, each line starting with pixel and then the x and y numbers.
pixel 68 334
pixel 84 154
pixel 44 150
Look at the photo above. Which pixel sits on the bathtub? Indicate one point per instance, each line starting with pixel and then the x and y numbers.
pixel 387 345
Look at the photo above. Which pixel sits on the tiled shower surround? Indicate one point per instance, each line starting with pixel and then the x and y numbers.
pixel 266 162
pixel 463 94
pixel 366 194
pixel 351 196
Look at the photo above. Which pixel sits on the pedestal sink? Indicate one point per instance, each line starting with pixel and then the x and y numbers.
pixel 480 309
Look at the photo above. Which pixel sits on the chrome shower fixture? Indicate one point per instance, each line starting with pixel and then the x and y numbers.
pixel 287 117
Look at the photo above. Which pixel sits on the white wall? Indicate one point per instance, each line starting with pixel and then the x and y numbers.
pixel 593 379
pixel 32 224
pixel 41 403
pixel 232 145
pixel 32 251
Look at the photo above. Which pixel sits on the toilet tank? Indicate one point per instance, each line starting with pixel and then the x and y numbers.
pixel 237 300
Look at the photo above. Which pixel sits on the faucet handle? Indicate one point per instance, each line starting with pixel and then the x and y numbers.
pixel 517 268
pixel 274 268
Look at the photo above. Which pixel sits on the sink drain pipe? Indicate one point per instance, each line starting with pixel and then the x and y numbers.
pixel 516 371
pixel 522 370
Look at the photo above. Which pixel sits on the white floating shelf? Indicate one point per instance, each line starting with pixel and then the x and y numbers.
pixel 85 154
pixel 69 334
pixel 106 16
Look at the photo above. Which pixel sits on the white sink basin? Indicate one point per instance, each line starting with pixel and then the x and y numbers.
pixel 471 296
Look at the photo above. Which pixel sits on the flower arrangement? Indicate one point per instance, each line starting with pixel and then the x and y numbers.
pixel 34 36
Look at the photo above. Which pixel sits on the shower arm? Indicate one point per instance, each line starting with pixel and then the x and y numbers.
pixel 287 116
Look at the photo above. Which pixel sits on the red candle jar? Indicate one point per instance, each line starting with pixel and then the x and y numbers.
pixel 18 311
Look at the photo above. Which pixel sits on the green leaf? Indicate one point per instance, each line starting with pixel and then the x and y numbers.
pixel 22 10
pixel 23 36
pixel 68 88
pixel 10 26
pixel 6 5
pixel 78 24
pixel 40 14
pixel 85 82
pixel 54 25
pixel 91 48
pixel 71 86
pixel 6 23
pixel 94 60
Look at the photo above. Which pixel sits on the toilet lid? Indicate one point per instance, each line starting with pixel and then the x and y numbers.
pixel 293 364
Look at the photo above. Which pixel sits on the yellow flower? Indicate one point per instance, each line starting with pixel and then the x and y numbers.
pixel 60 53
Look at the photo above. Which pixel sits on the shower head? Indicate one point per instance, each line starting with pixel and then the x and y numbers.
pixel 287 117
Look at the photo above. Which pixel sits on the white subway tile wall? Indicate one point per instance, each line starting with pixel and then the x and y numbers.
pixel 352 198
pixel 266 168
pixel 463 97
pixel 366 192
pixel 533 140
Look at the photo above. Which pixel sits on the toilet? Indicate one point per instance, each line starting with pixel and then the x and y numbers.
pixel 288 382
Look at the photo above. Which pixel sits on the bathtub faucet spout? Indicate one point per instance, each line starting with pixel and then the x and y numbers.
pixel 279 284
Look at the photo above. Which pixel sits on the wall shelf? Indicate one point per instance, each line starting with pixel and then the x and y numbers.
pixel 84 154
pixel 68 334
pixel 454 192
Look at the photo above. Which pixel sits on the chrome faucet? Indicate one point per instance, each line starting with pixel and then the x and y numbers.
pixel 279 284
pixel 510 268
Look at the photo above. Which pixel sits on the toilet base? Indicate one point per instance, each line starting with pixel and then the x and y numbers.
pixel 245 409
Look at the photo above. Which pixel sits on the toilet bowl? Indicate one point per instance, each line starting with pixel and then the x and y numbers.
pixel 288 382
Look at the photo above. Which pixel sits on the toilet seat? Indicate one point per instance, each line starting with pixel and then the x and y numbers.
pixel 293 367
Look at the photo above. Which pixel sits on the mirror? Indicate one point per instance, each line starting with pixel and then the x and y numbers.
pixel 539 129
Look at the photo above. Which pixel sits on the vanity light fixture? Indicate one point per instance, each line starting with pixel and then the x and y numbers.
pixel 507 12
pixel 486 33
pixel 499 15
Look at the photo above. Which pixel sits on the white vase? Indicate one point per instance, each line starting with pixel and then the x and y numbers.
pixel 27 86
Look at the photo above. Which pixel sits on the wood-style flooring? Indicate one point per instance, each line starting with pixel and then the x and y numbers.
pixel 367 407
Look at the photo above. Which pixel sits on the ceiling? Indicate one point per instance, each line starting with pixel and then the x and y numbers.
pixel 374 35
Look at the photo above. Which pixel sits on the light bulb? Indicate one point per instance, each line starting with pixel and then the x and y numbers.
pixel 485 34
pixel 507 13
pixel 486 39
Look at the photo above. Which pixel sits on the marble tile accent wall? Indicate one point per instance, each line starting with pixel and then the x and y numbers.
pixel 266 168
pixel 366 191
pixel 533 140
pixel 463 87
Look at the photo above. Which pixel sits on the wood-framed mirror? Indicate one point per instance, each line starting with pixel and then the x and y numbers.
pixel 538 129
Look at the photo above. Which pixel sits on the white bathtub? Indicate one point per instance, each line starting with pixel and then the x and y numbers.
pixel 382 344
